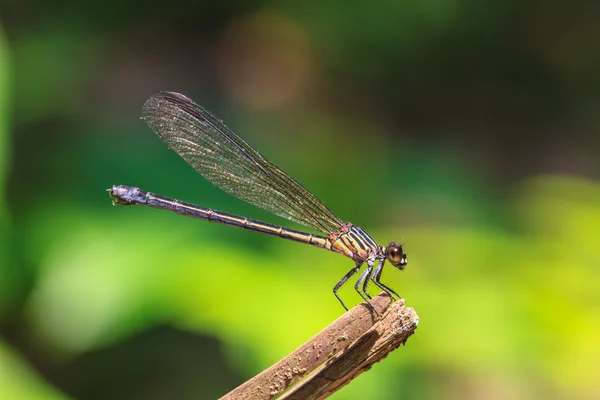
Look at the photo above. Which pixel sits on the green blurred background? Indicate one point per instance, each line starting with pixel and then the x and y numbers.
pixel 469 130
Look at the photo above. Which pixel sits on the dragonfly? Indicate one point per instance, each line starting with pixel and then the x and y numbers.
pixel 231 164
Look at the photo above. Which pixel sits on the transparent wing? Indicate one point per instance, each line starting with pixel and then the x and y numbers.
pixel 230 163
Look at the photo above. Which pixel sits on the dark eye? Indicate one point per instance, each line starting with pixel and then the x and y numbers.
pixel 394 253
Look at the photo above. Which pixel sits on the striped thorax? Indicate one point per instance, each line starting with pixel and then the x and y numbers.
pixel 353 242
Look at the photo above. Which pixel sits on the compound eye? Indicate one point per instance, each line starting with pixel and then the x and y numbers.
pixel 394 253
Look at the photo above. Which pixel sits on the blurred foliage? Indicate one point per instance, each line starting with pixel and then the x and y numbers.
pixel 19 382
pixel 468 130
pixel 5 220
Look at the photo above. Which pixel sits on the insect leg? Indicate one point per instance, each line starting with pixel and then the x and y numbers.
pixel 343 280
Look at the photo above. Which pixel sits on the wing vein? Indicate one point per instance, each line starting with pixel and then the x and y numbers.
pixel 230 163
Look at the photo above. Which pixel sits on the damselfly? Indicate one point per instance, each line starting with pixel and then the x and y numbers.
pixel 231 164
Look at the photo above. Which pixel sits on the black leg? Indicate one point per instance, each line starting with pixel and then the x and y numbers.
pixel 366 281
pixel 377 276
pixel 363 277
pixel 343 280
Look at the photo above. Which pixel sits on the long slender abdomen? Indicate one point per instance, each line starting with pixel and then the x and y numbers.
pixel 129 195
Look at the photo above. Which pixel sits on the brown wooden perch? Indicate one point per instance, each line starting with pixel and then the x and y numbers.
pixel 336 355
